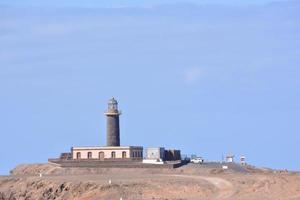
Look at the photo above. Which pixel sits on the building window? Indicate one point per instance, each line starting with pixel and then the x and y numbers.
pixel 89 155
pixel 113 154
pixel 101 155
pixel 78 155
pixel 124 154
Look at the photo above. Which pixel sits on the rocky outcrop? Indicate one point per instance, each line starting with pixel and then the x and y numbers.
pixel 28 189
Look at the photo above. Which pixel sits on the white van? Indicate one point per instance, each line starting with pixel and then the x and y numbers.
pixel 197 160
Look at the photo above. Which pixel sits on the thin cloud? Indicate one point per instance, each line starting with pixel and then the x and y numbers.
pixel 192 75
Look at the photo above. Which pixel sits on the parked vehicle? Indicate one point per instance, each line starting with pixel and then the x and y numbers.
pixel 197 160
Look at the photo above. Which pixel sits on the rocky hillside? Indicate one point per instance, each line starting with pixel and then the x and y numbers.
pixel 192 182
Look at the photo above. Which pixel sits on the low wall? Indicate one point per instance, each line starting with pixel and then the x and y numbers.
pixel 112 164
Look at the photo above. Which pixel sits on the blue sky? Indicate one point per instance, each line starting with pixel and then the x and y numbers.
pixel 207 79
pixel 101 3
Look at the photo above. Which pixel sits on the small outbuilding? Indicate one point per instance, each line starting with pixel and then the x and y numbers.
pixel 243 160
pixel 230 158
pixel 155 153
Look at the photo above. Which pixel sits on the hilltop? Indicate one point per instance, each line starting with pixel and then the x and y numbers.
pixel 191 181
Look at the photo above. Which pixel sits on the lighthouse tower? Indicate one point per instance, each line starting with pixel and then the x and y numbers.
pixel 113 123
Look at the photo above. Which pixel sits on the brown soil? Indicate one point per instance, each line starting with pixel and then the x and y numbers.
pixel 193 182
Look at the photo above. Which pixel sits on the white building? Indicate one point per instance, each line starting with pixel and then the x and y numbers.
pixel 155 153
pixel 107 153
pixel 230 158
pixel 243 160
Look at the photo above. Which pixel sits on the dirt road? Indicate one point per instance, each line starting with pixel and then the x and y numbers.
pixel 224 187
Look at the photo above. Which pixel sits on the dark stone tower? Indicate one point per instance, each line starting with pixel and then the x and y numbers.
pixel 113 125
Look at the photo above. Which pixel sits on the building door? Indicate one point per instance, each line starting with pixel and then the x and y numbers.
pixel 113 154
pixel 89 155
pixel 101 155
pixel 78 155
pixel 124 154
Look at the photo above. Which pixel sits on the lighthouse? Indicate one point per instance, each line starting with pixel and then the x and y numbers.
pixel 112 151
pixel 113 123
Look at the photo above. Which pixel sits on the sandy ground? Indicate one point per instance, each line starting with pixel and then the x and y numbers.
pixel 192 182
